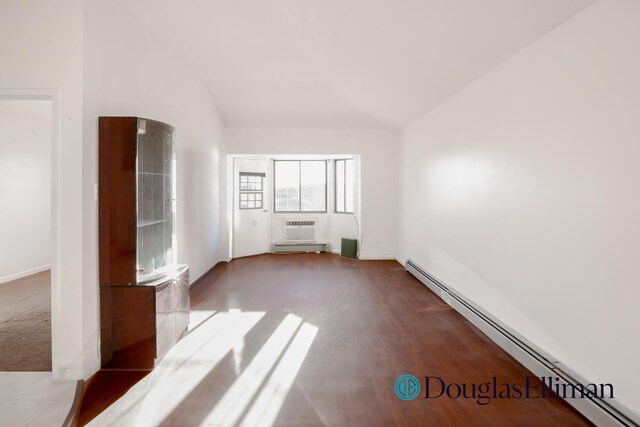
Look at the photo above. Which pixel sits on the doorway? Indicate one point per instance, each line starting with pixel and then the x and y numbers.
pixel 26 256
pixel 251 201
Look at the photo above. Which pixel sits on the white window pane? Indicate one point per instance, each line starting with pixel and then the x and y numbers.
pixel 349 185
pixel 252 205
pixel 243 205
pixel 259 196
pixel 339 185
pixel 244 178
pixel 252 196
pixel 287 185
pixel 313 185
pixel 243 197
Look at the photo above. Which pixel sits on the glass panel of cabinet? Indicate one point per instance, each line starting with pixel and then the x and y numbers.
pixel 155 200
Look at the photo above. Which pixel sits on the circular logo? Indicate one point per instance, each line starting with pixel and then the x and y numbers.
pixel 407 387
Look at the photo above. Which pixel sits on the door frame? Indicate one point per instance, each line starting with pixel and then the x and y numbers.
pixel 231 199
pixel 53 95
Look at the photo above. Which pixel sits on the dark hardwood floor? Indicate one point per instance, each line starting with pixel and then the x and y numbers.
pixel 103 389
pixel 317 339
pixel 25 323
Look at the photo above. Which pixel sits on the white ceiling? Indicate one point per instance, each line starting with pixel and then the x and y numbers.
pixel 344 63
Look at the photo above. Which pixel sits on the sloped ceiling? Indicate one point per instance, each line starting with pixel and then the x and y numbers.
pixel 343 63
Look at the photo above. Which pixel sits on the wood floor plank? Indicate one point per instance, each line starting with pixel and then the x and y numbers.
pixel 374 322
pixel 25 323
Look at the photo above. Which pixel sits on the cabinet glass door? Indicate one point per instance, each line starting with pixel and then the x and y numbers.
pixel 156 200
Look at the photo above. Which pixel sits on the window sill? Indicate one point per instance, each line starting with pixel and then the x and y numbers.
pixel 300 212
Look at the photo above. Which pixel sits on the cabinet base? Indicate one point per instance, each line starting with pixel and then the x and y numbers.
pixel 139 324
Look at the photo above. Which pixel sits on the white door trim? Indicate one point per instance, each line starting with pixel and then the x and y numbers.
pixel 53 95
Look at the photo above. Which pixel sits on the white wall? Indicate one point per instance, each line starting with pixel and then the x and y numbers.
pixel 43 49
pixel 25 191
pixel 127 72
pixel 523 193
pixel 378 155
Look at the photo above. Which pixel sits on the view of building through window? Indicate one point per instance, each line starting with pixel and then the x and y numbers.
pixel 300 185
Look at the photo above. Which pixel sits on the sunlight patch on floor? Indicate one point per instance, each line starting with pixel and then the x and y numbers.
pixel 185 372
pixel 266 407
pixel 255 397
pixel 239 396
pixel 182 369
pixel 198 317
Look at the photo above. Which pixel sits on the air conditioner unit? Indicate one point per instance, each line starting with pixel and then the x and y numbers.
pixel 299 231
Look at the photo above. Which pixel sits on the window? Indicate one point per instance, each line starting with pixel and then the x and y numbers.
pixel 300 185
pixel 251 190
pixel 344 186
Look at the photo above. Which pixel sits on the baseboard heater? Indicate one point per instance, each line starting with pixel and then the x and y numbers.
pixel 290 248
pixel 602 412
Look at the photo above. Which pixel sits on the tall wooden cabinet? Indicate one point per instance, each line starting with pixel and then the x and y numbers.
pixel 144 294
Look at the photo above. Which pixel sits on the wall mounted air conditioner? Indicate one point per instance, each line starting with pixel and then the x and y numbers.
pixel 300 230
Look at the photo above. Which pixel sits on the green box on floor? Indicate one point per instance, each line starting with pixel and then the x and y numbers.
pixel 349 248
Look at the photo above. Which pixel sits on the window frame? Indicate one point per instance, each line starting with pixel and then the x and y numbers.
pixel 335 187
pixel 251 191
pixel 300 211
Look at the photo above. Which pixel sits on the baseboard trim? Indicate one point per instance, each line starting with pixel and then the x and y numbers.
pixel 24 273
pixel 207 272
pixel 601 412
pixel 295 248
pixel 373 257
pixel 377 257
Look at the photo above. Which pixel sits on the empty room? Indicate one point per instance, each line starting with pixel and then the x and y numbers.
pixel 319 213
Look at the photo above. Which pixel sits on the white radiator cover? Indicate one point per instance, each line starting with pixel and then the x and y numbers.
pixel 300 230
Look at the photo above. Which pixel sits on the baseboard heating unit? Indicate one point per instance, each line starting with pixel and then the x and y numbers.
pixel 602 412
pixel 290 248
